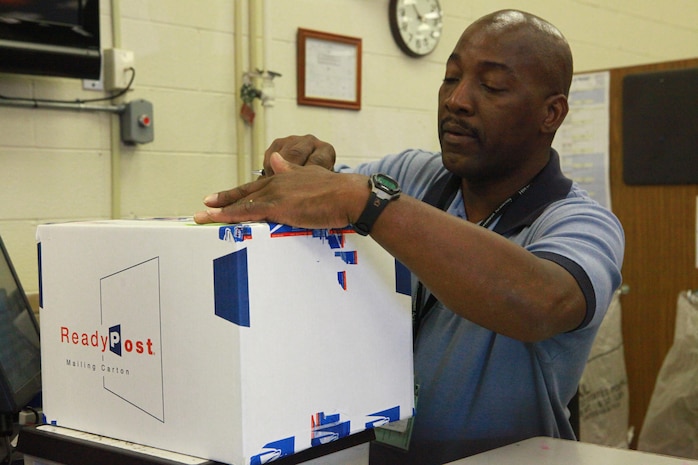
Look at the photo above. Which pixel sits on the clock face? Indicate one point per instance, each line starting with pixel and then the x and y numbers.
pixel 416 25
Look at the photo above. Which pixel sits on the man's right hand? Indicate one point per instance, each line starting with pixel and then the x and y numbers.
pixel 301 150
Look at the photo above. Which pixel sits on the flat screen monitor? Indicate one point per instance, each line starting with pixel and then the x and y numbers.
pixel 20 354
pixel 50 38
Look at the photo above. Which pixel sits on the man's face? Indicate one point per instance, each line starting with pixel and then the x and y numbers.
pixel 491 105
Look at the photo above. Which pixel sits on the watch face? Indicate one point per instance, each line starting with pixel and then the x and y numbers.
pixel 386 184
pixel 416 25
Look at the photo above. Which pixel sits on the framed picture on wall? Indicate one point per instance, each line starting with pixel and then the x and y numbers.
pixel 329 70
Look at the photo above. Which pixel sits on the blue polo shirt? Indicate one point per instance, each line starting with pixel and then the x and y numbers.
pixel 478 389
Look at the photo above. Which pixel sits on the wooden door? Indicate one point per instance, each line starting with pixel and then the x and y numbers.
pixel 660 255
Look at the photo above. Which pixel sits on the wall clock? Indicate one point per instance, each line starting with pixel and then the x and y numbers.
pixel 416 25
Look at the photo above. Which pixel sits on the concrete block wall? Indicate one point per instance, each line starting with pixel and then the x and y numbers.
pixel 57 165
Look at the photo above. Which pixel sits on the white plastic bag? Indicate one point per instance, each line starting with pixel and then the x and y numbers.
pixel 671 422
pixel 603 389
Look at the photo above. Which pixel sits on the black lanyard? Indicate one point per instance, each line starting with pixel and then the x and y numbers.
pixel 499 211
pixel 440 195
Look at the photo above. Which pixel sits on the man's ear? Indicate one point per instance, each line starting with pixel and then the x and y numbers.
pixel 556 111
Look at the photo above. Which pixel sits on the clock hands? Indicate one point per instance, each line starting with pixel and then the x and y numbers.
pixel 416 10
pixel 432 15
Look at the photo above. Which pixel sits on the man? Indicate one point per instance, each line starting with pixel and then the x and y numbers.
pixel 521 265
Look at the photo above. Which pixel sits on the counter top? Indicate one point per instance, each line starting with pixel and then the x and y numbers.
pixel 549 451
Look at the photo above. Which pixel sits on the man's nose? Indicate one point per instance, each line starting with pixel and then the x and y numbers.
pixel 460 99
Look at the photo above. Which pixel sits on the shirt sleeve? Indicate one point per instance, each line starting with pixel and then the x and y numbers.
pixel 414 170
pixel 588 241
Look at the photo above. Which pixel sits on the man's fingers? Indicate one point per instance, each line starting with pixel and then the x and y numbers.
pixel 223 198
pixel 279 164
pixel 245 209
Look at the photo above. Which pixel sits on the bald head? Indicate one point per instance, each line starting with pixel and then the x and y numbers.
pixel 538 40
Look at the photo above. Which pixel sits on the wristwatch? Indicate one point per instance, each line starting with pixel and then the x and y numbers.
pixel 384 189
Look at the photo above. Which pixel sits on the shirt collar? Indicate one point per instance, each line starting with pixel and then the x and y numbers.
pixel 548 186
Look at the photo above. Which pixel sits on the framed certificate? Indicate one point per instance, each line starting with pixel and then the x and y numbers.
pixel 329 70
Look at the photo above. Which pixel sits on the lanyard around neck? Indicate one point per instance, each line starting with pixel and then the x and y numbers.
pixel 499 211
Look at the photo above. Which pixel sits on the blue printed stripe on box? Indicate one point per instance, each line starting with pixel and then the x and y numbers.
pixel 231 288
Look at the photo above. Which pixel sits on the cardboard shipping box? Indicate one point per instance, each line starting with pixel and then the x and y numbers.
pixel 236 343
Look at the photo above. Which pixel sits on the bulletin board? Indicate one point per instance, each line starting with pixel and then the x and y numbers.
pixel 660 127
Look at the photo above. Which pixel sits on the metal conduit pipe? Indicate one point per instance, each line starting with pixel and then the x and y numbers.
pixel 257 34
pixel 62 105
pixel 242 168
pixel 115 129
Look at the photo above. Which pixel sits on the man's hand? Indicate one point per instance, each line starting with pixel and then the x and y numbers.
pixel 301 196
pixel 300 150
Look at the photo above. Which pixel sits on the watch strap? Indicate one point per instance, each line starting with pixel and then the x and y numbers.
pixel 377 201
pixel 374 207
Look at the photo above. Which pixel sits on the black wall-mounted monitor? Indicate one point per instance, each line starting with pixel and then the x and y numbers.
pixel 50 38
pixel 20 353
